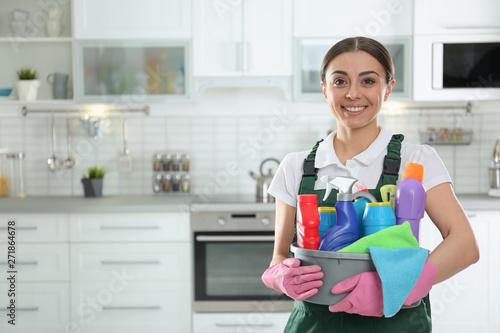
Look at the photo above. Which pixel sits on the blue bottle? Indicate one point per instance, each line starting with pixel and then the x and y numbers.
pixel 360 207
pixel 346 231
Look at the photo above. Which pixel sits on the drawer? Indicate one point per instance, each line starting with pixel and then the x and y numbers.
pixel 40 262
pixel 132 307
pixel 144 262
pixel 36 228
pixel 40 307
pixel 257 322
pixel 132 227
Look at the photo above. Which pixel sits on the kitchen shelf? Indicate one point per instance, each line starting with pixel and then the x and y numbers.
pixel 450 138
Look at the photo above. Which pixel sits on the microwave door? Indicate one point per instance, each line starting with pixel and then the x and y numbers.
pixel 437 65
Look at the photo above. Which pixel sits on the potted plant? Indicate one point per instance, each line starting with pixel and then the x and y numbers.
pixel 92 182
pixel 28 84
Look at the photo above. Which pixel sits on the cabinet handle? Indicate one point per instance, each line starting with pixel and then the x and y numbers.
pixel 243 325
pixel 132 227
pixel 471 215
pixel 136 262
pixel 250 238
pixel 35 308
pixel 152 307
pixel 34 227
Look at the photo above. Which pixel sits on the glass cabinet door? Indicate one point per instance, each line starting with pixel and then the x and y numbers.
pixel 309 55
pixel 128 72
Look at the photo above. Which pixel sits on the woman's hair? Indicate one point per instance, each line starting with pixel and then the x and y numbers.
pixel 354 44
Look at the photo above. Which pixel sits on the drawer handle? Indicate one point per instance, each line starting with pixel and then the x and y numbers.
pixel 245 325
pixel 35 308
pixel 34 227
pixel 24 263
pixel 132 227
pixel 152 307
pixel 128 262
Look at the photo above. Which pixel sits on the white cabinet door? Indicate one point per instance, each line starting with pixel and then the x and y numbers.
pixel 125 19
pixel 257 322
pixel 328 18
pixel 470 300
pixel 40 307
pixel 132 306
pixel 235 38
pixel 36 228
pixel 457 17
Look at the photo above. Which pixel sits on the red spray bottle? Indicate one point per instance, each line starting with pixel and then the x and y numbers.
pixel 307 222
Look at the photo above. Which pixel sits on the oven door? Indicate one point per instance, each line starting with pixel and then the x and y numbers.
pixel 227 272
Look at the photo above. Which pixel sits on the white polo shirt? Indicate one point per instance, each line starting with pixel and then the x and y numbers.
pixel 366 167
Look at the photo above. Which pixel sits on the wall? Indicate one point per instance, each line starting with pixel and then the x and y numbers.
pixel 228 133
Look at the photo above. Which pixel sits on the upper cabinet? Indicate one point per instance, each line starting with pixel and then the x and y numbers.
pixel 457 17
pixel 330 18
pixel 126 19
pixel 242 38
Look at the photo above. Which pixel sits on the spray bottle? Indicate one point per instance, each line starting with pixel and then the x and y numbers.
pixel 410 197
pixel 360 205
pixel 347 229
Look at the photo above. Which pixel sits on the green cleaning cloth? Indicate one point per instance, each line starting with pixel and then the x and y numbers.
pixel 388 238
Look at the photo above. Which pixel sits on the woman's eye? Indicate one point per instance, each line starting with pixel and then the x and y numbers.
pixel 368 81
pixel 338 82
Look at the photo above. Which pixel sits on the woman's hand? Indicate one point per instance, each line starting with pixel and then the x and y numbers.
pixel 298 282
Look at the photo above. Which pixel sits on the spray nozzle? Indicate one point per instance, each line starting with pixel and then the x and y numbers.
pixel 344 184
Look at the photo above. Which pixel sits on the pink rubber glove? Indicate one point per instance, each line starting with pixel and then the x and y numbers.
pixel 365 297
pixel 298 282
pixel 424 283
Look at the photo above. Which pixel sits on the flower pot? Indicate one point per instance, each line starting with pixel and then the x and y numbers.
pixel 92 188
pixel 27 90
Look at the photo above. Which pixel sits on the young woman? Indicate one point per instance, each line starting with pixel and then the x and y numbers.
pixel 357 76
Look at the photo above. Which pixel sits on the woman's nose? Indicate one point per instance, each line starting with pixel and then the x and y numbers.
pixel 353 92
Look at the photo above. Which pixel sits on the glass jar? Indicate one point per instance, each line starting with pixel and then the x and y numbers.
pixel 176 162
pixel 157 184
pixel 185 159
pixel 16 172
pixel 186 183
pixel 157 162
pixel 432 135
pixel 3 175
pixel 167 162
pixel 176 183
pixel 166 181
pixel 444 136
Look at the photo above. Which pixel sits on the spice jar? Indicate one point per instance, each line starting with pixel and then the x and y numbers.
pixel 185 183
pixel 175 162
pixel 185 162
pixel 157 184
pixel 167 162
pixel 157 162
pixel 431 131
pixel 458 135
pixel 443 135
pixel 166 182
pixel 176 183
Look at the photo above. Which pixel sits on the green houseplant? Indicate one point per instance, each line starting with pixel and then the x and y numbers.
pixel 27 84
pixel 92 182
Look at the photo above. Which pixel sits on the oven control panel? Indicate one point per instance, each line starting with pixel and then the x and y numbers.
pixel 232 221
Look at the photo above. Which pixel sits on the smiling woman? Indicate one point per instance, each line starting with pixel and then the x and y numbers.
pixel 357 76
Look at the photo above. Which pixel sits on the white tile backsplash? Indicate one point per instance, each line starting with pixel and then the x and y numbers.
pixel 235 134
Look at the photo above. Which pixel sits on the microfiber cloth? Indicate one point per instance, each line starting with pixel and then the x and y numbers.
pixel 399 270
pixel 388 238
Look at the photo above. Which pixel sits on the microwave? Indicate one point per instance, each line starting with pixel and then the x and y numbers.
pixel 458 67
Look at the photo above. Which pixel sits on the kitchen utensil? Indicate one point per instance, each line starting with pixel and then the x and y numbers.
pixel 125 159
pixel 263 182
pixel 52 161
pixel 494 171
pixel 69 162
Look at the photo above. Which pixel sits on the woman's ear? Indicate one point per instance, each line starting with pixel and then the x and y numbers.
pixel 323 89
pixel 388 90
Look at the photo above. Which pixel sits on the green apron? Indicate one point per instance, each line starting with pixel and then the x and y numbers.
pixel 314 318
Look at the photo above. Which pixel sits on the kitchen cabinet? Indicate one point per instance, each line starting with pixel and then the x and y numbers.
pixel 126 19
pixel 132 72
pixel 242 38
pixel 257 322
pixel 136 267
pixel 463 16
pixel 42 292
pixel 327 18
pixel 35 48
pixel 310 53
pixel 470 300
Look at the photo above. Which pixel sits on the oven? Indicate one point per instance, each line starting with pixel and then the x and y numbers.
pixel 231 251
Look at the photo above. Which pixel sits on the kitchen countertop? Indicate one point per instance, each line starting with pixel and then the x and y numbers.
pixel 172 203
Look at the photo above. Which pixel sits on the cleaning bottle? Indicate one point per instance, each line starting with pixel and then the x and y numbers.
pixel 346 231
pixel 410 197
pixel 388 193
pixel 360 205
pixel 327 219
pixel 307 222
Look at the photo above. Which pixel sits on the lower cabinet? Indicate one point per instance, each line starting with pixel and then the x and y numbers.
pixel 470 300
pixel 255 322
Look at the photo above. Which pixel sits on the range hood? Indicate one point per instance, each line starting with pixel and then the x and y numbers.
pixel 200 84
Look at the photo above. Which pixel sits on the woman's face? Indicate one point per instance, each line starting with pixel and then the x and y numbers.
pixel 355 87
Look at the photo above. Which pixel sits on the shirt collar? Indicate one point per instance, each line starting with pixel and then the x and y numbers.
pixel 325 155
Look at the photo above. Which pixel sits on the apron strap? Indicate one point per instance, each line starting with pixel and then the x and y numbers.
pixel 392 164
pixel 310 173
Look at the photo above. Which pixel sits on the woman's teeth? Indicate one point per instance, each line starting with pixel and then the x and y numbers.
pixel 355 109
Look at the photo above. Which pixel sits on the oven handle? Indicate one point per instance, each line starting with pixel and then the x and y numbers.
pixel 234 238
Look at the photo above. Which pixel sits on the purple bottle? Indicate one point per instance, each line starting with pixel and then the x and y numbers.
pixel 410 197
